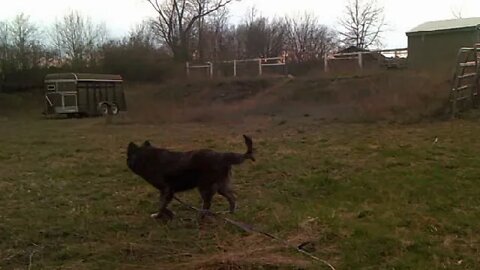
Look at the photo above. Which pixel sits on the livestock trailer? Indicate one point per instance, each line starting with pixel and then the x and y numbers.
pixel 83 94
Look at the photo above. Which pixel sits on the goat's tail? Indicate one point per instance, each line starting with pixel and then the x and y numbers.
pixel 236 158
pixel 249 144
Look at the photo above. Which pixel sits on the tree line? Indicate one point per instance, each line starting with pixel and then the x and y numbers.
pixel 182 30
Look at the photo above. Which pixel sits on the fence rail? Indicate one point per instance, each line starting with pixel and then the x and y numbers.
pixel 262 63
pixel 390 57
pixel 397 53
pixel 208 67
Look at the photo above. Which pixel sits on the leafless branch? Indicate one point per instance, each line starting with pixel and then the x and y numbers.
pixel 77 38
pixel 363 23
pixel 177 18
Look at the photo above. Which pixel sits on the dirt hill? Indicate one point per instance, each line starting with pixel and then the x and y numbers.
pixel 396 96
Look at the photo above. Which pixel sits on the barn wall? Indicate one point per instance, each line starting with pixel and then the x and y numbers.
pixel 437 51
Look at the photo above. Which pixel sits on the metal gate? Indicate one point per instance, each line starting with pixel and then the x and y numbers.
pixel 63 102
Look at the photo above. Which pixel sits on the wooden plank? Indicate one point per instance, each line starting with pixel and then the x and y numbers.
pixel 466 49
pixel 468 75
pixel 461 98
pixel 374 51
pixel 276 64
pixel 346 58
pixel 272 58
pixel 253 60
pixel 205 66
pixel 468 64
pixel 464 87
pixel 240 61
pixel 260 67
pixel 234 68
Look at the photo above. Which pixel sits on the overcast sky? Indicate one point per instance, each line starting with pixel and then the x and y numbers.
pixel 121 15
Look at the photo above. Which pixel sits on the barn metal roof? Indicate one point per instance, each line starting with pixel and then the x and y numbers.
pixel 446 25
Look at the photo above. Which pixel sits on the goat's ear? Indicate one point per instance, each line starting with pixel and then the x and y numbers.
pixel 132 147
pixel 147 143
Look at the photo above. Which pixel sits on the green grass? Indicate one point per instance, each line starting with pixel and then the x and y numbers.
pixel 369 196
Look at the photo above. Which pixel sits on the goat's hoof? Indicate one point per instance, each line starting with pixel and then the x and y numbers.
pixel 166 215
pixel 205 216
pixel 205 213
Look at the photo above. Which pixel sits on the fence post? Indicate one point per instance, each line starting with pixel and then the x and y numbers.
pixel 325 62
pixel 360 60
pixel 260 66
pixel 210 69
pixel 234 68
pixel 188 69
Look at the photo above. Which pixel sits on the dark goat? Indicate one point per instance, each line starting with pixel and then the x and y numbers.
pixel 171 172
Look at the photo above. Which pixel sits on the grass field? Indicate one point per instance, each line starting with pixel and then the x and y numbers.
pixel 368 196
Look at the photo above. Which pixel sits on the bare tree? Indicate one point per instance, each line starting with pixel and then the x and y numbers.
pixel 303 37
pixel 177 18
pixel 4 45
pixel 214 37
pixel 4 51
pixel 24 40
pixel 276 36
pixel 137 56
pixel 363 23
pixel 259 36
pixel 77 39
pixel 20 48
pixel 256 39
pixel 141 35
pixel 308 39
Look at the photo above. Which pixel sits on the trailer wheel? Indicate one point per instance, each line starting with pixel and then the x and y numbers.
pixel 114 108
pixel 104 109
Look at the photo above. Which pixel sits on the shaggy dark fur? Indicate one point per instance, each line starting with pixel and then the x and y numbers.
pixel 171 172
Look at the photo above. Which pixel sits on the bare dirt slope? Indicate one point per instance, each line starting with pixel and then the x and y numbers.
pixel 396 96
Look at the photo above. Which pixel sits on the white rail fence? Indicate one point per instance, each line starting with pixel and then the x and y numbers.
pixel 262 64
pixel 390 56
pixel 208 67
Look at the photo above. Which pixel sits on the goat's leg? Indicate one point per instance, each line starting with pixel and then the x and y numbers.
pixel 207 196
pixel 166 196
pixel 227 192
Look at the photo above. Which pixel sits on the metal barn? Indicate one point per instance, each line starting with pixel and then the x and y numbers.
pixel 84 94
pixel 433 46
